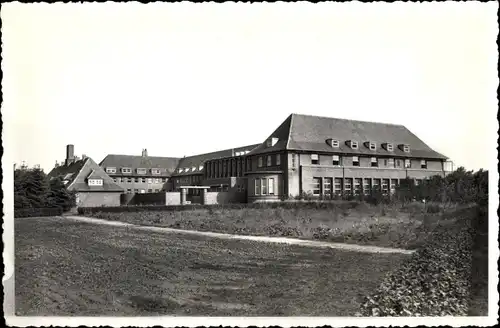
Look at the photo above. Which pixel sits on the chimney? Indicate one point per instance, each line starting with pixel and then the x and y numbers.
pixel 84 156
pixel 70 154
pixel 232 152
pixel 57 164
pixel 144 152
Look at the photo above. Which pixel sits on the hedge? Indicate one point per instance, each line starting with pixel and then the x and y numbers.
pixel 33 212
pixel 435 281
pixel 345 205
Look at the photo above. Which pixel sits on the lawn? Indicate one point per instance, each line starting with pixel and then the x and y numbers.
pixel 67 268
pixel 385 226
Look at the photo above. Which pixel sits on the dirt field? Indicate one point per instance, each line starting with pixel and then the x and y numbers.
pixel 70 268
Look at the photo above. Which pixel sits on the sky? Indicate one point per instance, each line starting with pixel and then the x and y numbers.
pixel 181 79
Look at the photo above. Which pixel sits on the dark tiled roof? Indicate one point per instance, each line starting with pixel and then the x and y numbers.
pixel 80 171
pixel 310 133
pixel 166 164
pixel 199 160
pixel 282 133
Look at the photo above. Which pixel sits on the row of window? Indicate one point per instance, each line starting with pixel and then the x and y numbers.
pixel 141 191
pixel 128 170
pixel 268 159
pixel 264 186
pixel 356 186
pixel 374 161
pixel 190 169
pixel 95 182
pixel 225 168
pixel 140 180
pixel 369 144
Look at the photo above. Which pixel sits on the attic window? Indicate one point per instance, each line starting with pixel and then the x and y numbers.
pixel 126 170
pixel 271 142
pixel 200 167
pixel 406 148
pixel 141 171
pixel 193 168
pixel 65 182
pixel 354 144
pixel 155 171
pixel 111 170
pixel 389 147
pixel 372 145
pixel 95 182
pixel 180 170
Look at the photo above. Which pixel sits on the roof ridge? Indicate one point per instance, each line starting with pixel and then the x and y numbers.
pixel 346 119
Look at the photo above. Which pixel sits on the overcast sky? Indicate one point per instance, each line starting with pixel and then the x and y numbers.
pixel 182 79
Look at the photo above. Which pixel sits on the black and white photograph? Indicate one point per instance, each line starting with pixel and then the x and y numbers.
pixel 250 164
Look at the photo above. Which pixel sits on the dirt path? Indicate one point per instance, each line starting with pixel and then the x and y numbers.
pixel 291 241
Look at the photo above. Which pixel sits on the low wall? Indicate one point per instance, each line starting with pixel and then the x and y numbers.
pixel 172 198
pixel 214 197
pixel 157 198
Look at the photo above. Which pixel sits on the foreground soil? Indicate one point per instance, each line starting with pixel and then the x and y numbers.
pixel 67 268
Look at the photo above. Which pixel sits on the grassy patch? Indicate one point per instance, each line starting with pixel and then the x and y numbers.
pixel 71 268
pixel 361 223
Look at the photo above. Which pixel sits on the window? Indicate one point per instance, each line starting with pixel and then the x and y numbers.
pixel 338 186
pixel 335 144
pixel 423 164
pixel 374 162
pixel 314 159
pixel 126 170
pixel 355 161
pixel 260 163
pixel 137 180
pixel 406 148
pixel 357 186
pixel 385 186
pixel 155 171
pixel 367 186
pixel 397 163
pixel 200 167
pixel 257 186
pixel 111 170
pixel 118 180
pixel 129 191
pixel 376 185
pixel 150 180
pixel 129 180
pixel 115 180
pixel 336 160
pixel 418 182
pixel 95 182
pixel 270 183
pixel 327 189
pixel 372 145
pixel 348 186
pixel 390 162
pixel 157 190
pixel 141 171
pixel 390 147
pixel 150 190
pixel 407 163
pixel 316 186
pixel 263 186
pixel 394 183
pixel 354 144
pixel 269 160
pixel 278 159
pixel 157 180
pixel 136 191
pixel 293 160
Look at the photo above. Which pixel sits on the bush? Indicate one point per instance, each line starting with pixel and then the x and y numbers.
pixel 34 212
pixel 435 281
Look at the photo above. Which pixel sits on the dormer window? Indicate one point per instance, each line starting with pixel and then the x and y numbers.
pixel 95 182
pixel 334 143
pixel 126 170
pixel 155 171
pixel 405 148
pixel 193 168
pixel 271 142
pixel 371 145
pixel 141 171
pixel 180 170
pixel 353 144
pixel 389 147
pixel 111 170
pixel 200 167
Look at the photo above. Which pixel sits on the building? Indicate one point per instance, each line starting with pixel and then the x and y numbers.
pixel 140 174
pixel 92 185
pixel 330 156
pixel 319 156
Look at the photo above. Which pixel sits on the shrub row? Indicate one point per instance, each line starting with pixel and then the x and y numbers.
pixel 435 281
pixel 344 205
pixel 33 212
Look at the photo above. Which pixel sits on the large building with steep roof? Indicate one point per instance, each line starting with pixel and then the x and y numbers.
pixel 92 185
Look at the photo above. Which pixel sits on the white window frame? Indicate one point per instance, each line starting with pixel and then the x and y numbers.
pixel 406 148
pixel 257 187
pixel 337 159
pixel 111 170
pixel 374 160
pixel 390 147
pixel 423 164
pixel 355 159
pixel 126 170
pixel 263 186
pixel 335 143
pixel 270 186
pixel 391 162
pixel 354 144
pixel 155 171
pixel 372 145
pixel 95 182
pixel 314 157
pixel 142 171
pixel 149 180
pixel 407 163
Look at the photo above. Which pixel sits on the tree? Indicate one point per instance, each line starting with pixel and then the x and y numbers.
pixel 60 196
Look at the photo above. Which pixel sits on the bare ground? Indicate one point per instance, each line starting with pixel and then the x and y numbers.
pixel 70 268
